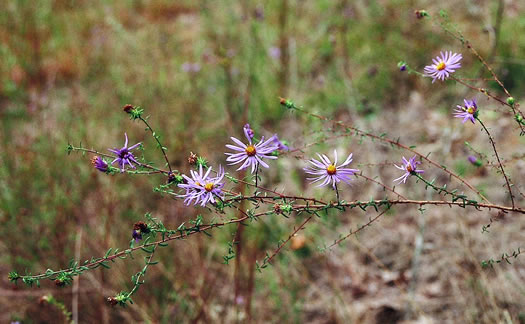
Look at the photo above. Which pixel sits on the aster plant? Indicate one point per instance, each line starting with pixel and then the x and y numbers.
pixel 443 66
pixel 410 168
pixel 201 188
pixel 467 112
pixel 251 154
pixel 124 155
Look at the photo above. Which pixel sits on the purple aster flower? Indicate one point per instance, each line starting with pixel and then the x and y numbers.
pixel 467 112
pixel 99 164
pixel 410 168
pixel 281 146
pixel 248 132
pixel 124 155
pixel 443 66
pixel 202 188
pixel 251 154
pixel 330 172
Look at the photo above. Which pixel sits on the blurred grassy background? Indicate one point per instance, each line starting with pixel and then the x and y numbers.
pixel 204 68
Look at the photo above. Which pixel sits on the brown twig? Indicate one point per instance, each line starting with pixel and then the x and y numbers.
pixel 370 221
pixel 279 248
pixel 499 161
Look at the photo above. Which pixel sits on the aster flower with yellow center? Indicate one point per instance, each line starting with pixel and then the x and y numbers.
pixel 251 154
pixel 467 112
pixel 324 169
pixel 410 168
pixel 201 187
pixel 443 66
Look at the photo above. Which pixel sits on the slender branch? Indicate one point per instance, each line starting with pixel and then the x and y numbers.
pixel 381 184
pixel 499 161
pixel 142 273
pixel 481 90
pixel 378 203
pixel 300 227
pixel 441 190
pixel 370 221
pixel 307 208
pixel 156 137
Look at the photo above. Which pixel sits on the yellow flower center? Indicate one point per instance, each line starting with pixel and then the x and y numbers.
pixel 331 170
pixel 208 187
pixel 441 66
pixel 250 150
pixel 471 110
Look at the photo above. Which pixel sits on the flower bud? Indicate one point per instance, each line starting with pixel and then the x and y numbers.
pixel 472 159
pixel 402 65
pixel 510 101
pixel 192 159
pixel 128 108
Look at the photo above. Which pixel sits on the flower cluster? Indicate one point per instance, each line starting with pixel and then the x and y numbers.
pixel 443 66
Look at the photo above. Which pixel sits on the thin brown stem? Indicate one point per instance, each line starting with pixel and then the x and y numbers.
pixel 370 221
pixel 279 248
pixel 208 227
pixel 156 137
pixel 499 161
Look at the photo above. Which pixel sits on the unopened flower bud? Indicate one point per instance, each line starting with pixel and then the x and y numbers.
pixel 192 159
pixel 59 283
pixel 112 301
pixel 128 108
pixel 510 101
pixel 472 159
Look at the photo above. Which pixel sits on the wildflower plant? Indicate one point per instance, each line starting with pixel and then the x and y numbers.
pixel 218 191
